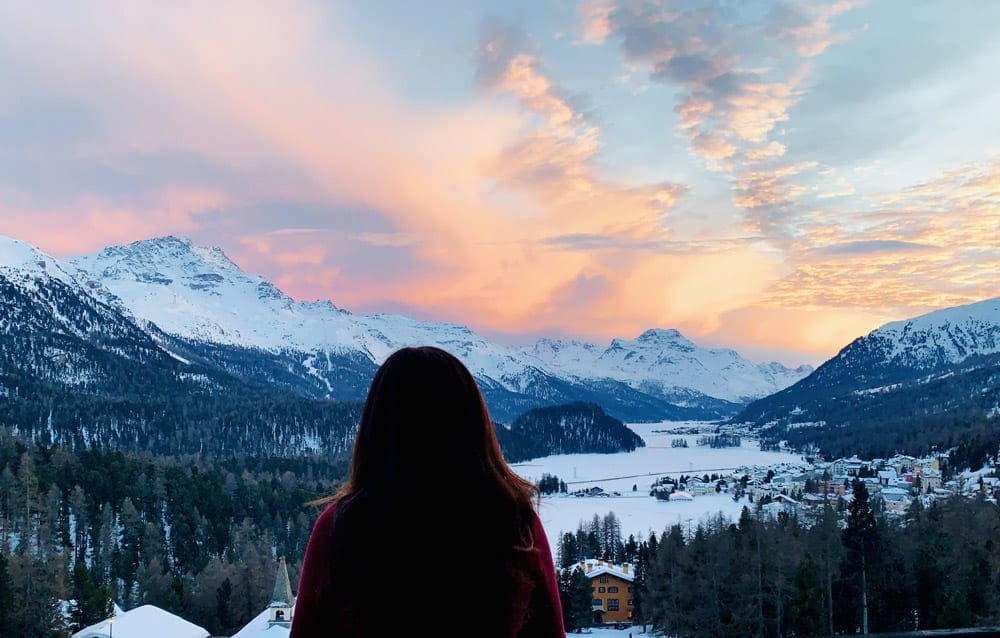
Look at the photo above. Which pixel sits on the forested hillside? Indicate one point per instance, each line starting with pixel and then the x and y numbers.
pixel 565 429
pixel 191 535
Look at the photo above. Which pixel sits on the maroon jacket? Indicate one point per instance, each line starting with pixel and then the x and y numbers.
pixel 535 612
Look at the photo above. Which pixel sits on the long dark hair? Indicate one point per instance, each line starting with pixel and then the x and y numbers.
pixel 428 482
pixel 424 409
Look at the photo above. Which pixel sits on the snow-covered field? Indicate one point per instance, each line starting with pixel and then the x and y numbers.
pixel 639 513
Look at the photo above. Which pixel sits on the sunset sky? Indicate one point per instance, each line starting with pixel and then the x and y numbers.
pixel 775 177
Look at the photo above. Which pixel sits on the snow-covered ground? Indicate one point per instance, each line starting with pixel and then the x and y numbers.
pixel 638 512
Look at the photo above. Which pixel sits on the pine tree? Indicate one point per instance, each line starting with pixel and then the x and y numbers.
pixel 92 601
pixel 576 594
pixel 7 598
pixel 569 552
pixel 860 539
pixel 806 609
pixel 223 604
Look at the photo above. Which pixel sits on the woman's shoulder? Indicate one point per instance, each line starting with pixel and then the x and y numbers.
pixel 326 517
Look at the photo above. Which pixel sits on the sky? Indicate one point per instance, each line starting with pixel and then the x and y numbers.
pixel 774 177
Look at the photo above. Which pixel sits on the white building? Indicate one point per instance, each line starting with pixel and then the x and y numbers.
pixel 146 621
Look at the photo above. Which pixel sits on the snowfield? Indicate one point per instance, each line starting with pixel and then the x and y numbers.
pixel 639 513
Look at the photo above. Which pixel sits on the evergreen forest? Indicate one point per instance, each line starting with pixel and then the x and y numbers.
pixel 848 573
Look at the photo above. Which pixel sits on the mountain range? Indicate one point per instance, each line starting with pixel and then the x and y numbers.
pixel 81 338
pixel 200 307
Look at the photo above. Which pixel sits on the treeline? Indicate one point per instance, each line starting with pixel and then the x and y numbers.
pixel 939 567
pixel 193 536
pixel 720 441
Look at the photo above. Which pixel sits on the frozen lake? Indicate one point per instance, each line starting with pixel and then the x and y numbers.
pixel 639 513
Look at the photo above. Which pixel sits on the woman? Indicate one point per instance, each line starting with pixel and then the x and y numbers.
pixel 432 533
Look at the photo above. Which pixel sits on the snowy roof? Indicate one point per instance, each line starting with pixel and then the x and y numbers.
pixel 887 474
pixel 146 621
pixel 894 494
pixel 599 567
pixel 258 628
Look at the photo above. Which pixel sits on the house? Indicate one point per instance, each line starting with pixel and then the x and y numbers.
pixel 895 500
pixel 612 599
pixel 146 621
pixel 834 487
pixel 681 496
pixel 847 467
pixel 781 503
pixel 930 480
pixel 276 620
pixel 887 478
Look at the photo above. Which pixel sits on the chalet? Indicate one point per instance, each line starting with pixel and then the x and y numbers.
pixel 612 599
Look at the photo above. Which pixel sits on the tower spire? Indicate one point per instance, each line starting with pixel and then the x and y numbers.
pixel 282 602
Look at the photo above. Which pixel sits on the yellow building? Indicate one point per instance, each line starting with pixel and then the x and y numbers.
pixel 612 599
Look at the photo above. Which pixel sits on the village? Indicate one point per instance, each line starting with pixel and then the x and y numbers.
pixel 803 490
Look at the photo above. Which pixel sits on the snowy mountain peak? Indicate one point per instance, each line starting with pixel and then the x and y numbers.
pixel 667 338
pixel 21 260
pixel 667 361
pixel 943 336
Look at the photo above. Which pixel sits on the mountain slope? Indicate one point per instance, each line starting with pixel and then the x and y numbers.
pixel 211 307
pixel 78 372
pixel 939 370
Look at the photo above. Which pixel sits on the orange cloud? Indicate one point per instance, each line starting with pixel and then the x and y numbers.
pixel 94 222
pixel 928 246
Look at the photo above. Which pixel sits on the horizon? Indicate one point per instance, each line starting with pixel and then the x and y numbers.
pixel 778 179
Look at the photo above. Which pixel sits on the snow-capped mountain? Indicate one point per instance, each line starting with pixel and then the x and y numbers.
pixel 943 366
pixel 80 372
pixel 200 296
pixel 52 322
pixel 942 337
pixel 665 362
pixel 197 306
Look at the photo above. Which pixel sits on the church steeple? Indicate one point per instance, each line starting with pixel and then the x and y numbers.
pixel 282 602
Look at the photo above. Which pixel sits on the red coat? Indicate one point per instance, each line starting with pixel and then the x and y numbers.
pixel 534 612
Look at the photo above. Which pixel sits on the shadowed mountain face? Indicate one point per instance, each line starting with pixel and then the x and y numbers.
pixel 918 383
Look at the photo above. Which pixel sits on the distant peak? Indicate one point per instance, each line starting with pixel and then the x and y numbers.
pixel 662 334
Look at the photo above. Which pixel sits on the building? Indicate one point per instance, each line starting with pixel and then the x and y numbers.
pixel 146 621
pixel 781 504
pixel 895 500
pixel 612 599
pixel 887 478
pixel 282 602
pixel 276 620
